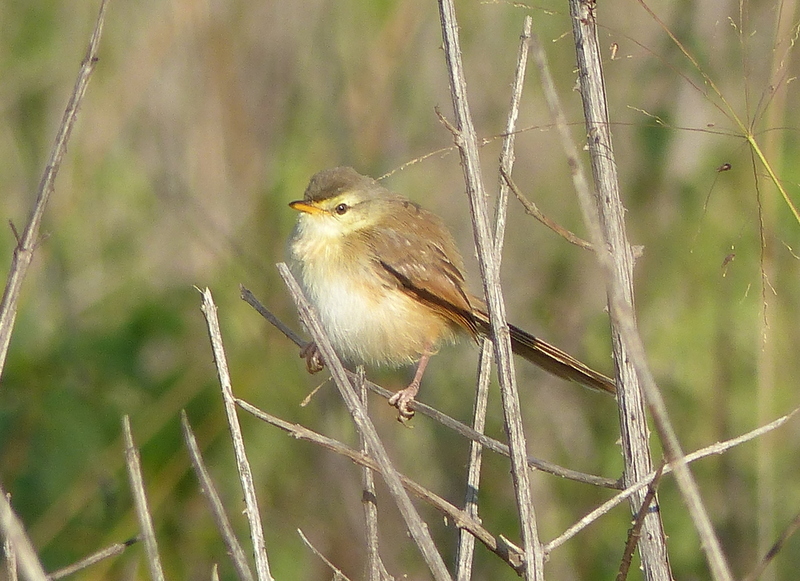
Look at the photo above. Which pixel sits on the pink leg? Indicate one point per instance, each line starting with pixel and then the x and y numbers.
pixel 404 397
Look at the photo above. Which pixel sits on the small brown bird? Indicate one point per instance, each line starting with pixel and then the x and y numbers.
pixel 386 279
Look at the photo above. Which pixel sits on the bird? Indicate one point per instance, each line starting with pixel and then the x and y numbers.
pixel 387 280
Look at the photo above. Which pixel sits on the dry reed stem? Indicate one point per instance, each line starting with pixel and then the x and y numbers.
pixel 10 556
pixel 416 526
pixel 466 543
pixel 108 552
pixel 605 218
pixel 369 497
pixel 604 215
pixel 713 449
pixel 636 530
pixel 242 464
pixel 26 244
pixel 467 141
pixel 20 544
pixel 208 490
pixel 136 481
pixel 511 554
pixel 337 574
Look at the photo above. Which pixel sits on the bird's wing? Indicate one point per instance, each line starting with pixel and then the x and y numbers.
pixel 418 255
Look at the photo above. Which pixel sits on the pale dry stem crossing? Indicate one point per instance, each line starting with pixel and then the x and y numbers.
pixel 242 464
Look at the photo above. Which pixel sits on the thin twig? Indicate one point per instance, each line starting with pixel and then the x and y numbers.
pixel 467 141
pixel 713 449
pixel 251 300
pixel 416 526
pixel 136 481
pixel 790 529
pixel 26 244
pixel 337 574
pixel 533 210
pixel 509 138
pixel 460 428
pixel 21 546
pixel 10 555
pixel 466 543
pixel 208 490
pixel 242 465
pixel 500 448
pixel 110 551
pixel 502 548
pixel 636 530
pixel 369 496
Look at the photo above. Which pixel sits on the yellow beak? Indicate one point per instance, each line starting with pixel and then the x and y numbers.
pixel 302 206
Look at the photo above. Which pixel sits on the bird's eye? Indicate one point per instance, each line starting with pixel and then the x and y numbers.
pixel 341 209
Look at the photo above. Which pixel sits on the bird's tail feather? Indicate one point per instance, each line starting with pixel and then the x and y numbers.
pixel 551 359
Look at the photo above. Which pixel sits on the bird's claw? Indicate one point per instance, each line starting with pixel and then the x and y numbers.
pixel 402 401
pixel 314 362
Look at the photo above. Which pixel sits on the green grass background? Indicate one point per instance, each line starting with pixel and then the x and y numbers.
pixel 205 118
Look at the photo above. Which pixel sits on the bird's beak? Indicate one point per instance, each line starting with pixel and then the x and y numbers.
pixel 302 206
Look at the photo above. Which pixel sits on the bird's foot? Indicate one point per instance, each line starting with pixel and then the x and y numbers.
pixel 314 362
pixel 402 400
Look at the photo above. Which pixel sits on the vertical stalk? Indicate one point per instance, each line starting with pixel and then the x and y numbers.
pixel 467 141
pixel 633 420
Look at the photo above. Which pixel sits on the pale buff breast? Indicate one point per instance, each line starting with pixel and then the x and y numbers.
pixel 366 321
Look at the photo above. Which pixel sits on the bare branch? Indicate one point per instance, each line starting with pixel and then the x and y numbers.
pixel 790 529
pixel 533 210
pixel 337 574
pixel 26 244
pixel 504 549
pixel 605 219
pixel 110 551
pixel 242 465
pixel 21 546
pixel 208 490
pixel 416 526
pixel 636 530
pixel 466 543
pixel 711 450
pixel 136 481
pixel 251 300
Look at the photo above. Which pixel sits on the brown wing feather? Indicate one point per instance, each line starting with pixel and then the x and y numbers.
pixel 432 274
pixel 429 271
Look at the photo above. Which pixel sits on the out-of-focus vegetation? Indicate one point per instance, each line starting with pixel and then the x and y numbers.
pixel 204 119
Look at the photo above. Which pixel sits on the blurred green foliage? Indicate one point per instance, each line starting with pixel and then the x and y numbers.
pixel 203 119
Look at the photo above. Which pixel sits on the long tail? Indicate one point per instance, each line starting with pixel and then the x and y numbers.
pixel 551 359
